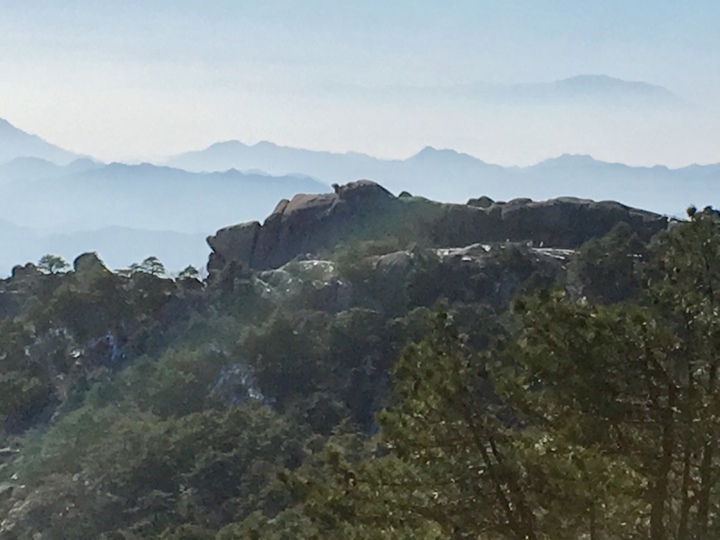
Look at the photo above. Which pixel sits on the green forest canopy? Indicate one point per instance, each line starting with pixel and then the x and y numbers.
pixel 257 406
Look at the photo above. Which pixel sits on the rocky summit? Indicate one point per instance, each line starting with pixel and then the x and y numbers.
pixel 310 224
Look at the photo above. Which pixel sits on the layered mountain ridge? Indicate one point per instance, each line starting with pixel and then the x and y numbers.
pixel 16 143
pixel 57 195
pixel 445 174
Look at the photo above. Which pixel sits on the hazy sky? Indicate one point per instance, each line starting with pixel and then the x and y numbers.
pixel 147 78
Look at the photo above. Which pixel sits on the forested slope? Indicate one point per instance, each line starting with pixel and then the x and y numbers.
pixel 374 386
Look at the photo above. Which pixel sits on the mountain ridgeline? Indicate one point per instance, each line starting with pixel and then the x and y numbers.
pixel 158 211
pixel 448 175
pixel 16 143
pixel 365 365
pixel 53 201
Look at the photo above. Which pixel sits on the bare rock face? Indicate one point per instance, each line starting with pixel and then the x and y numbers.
pixel 364 210
pixel 564 222
pixel 304 224
pixel 234 243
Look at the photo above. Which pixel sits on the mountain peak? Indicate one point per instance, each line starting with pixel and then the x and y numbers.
pixel 15 143
pixel 569 161
pixel 432 152
pixel 446 157
pixel 589 78
pixel 600 84
pixel 427 151
pixel 265 144
pixel 574 158
pixel 231 144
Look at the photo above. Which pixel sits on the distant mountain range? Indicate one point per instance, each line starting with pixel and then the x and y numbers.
pixel 596 90
pixel 87 195
pixel 16 143
pixel 126 212
pixel 448 175
pixel 583 88
pixel 117 246
pixel 52 200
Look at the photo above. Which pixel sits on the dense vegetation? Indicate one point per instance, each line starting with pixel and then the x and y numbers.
pixel 502 392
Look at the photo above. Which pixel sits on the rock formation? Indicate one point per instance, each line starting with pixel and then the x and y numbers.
pixel 364 210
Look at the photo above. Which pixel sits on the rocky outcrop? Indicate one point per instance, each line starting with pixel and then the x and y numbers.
pixel 364 210
pixel 236 243
pixel 305 224
pixel 565 222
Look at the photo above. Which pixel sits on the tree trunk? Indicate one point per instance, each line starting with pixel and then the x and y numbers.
pixel 707 479
pixel 688 413
pixel 527 518
pixel 685 494
pixel 706 483
pixel 658 496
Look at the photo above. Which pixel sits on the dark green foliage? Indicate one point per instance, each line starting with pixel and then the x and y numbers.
pixel 608 266
pixel 344 357
pixel 385 393
pixel 154 403
pixel 586 422
pixel 52 264
pixel 207 468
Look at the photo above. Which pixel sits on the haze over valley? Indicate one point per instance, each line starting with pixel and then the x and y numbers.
pixel 54 201
pixel 180 119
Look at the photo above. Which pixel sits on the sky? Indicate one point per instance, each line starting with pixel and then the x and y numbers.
pixel 138 80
